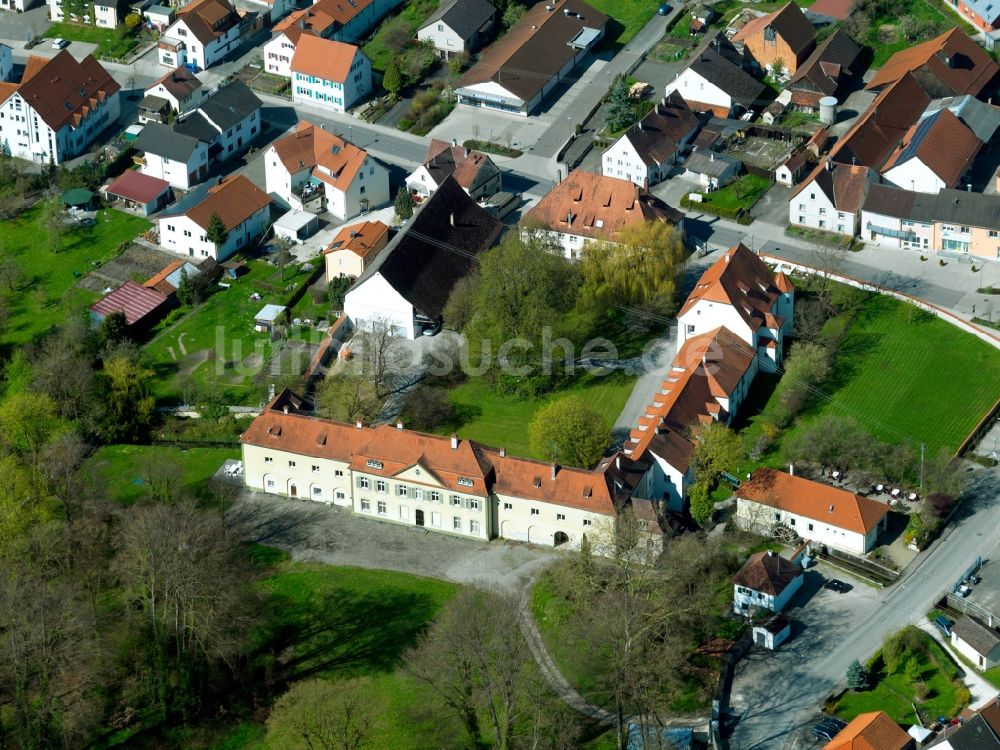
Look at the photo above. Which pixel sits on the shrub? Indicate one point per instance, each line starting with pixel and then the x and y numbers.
pixel 405 124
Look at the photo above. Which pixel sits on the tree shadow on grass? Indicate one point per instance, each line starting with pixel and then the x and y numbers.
pixel 346 631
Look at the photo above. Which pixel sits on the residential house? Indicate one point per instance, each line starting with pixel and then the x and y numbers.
pixel 332 75
pixel 152 109
pixel 459 26
pixel 353 247
pixel 953 222
pixel 781 39
pixel 935 153
pixel 228 120
pixel 60 107
pixel 242 206
pixel 18 6
pixel 771 632
pixel 831 70
pixel 707 381
pixel 348 22
pixel 203 32
pixel 473 170
pixel 586 207
pixel 948 65
pixel 314 166
pixel 105 14
pixel 268 318
pixel 181 160
pixel 157 16
pixel 180 88
pixel 648 150
pixel 829 516
pixel 766 581
pixel 983 14
pixel 408 283
pixel 739 292
pixel 876 133
pixel 975 730
pixel 701 17
pixel 981 118
pixel 818 142
pixel 871 731
pixel 138 192
pixel 6 61
pixel 518 71
pixel 141 306
pixel 715 81
pixel 792 169
pixel 831 198
pixel 273 10
pixel 437 483
pixel 169 278
pixel 712 170
pixel 977 641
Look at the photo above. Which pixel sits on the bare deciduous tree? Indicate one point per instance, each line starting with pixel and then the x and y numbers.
pixel 319 714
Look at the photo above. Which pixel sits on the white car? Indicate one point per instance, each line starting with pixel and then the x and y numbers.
pixel 60 43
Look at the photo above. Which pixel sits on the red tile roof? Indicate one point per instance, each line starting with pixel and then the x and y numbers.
pixel 135 300
pixel 814 500
pixel 235 200
pixel 180 82
pixel 361 239
pixel 788 22
pixel 943 143
pixel 740 279
pixel 596 206
pixel 767 572
pixel 463 164
pixel 329 157
pixel 871 731
pixel 845 186
pixel 839 9
pixel 323 58
pixel 136 186
pixel 952 58
pixel 64 91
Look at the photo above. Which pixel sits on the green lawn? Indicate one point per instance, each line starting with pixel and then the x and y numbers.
pixel 500 420
pixel 886 38
pixel 414 14
pixel 122 469
pixel 110 42
pixel 215 344
pixel 627 17
pixel 740 194
pixel 46 289
pixel 902 371
pixel 896 693
pixel 345 622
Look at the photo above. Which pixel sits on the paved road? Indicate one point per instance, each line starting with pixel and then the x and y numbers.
pixel 774 714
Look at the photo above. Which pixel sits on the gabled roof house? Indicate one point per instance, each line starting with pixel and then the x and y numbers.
pixel 715 81
pixel 408 283
pixel 473 170
pixel 830 70
pixel 784 37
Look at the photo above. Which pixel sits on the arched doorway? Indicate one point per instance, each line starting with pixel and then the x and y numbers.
pixel 418 517
pixel 560 538
pixel 293 491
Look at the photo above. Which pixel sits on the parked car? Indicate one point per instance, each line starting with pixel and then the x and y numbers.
pixel 60 43
pixel 836 585
pixel 33 42
pixel 663 10
pixel 834 722
pixel 944 625
pixel 964 590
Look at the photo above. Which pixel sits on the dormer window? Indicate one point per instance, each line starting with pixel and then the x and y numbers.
pixel 372 464
pixel 465 482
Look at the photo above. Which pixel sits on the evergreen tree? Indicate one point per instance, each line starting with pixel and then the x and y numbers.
pixel 404 204
pixel 392 81
pixel 217 232
pixel 701 504
pixel 619 113
pixel 185 290
pixel 857 676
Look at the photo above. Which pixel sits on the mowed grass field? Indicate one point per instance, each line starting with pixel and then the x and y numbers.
pixel 44 280
pixel 501 421
pixel 123 470
pixel 901 372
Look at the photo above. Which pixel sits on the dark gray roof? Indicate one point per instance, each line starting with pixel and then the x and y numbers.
pixel 718 65
pixel 191 199
pixel 464 17
pixel 165 142
pixel 889 200
pixel 711 163
pixel 973 734
pixel 838 49
pixel 980 117
pixel 230 105
pixel 153 103
pixel 435 249
pixel 196 125
pixel 978 635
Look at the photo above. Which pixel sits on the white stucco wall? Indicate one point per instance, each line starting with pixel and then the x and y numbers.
pixel 375 298
pixel 760 518
pixel 694 87
pixel 178 174
pixel 914 175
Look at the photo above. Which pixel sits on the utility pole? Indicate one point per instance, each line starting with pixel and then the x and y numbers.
pixel 922 447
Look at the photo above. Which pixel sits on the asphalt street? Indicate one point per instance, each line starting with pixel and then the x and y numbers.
pixel 775 713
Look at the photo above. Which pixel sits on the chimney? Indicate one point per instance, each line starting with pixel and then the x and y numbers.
pixel 451 218
pixel 618 461
pixel 454 143
pixel 968 187
pixel 548 8
pixel 567 12
pixel 555 468
pixel 359 424
pixel 947 61
pixel 640 124
pixel 286 410
pixel 399 425
pixel 711 156
pixel 770 553
pixel 704 359
pixel 454 441
pixel 829 165
pixel 726 261
pixel 503 452
pixel 830 509
pixel 791 470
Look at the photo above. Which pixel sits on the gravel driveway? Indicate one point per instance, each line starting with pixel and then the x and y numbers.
pixel 334 535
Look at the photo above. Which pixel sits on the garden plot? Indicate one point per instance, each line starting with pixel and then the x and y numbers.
pixel 138 263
